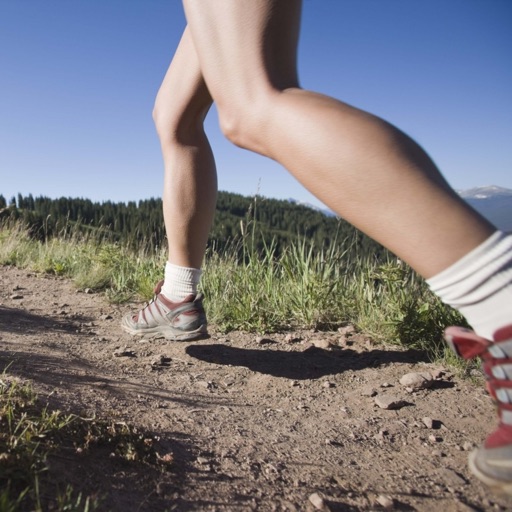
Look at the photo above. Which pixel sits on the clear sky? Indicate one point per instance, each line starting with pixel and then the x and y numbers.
pixel 78 80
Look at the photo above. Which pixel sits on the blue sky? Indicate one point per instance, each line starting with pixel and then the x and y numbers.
pixel 78 80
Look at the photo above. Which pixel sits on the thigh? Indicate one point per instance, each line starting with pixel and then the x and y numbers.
pixel 183 96
pixel 245 46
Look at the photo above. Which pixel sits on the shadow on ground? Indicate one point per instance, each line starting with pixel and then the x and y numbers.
pixel 312 363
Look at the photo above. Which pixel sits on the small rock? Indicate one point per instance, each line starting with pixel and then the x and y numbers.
pixel 160 361
pixel 124 352
pixel 390 402
pixel 369 391
pixel 321 343
pixel 385 501
pixel 429 422
pixel 386 385
pixel 290 338
pixel 328 384
pixel 416 380
pixel 202 460
pixel 381 435
pixel 450 477
pixel 16 296
pixel 435 439
pixel 348 329
pixel 261 340
pixel 106 317
pixel 88 290
pixel 467 446
pixel 438 373
pixel 317 501
pixel 294 383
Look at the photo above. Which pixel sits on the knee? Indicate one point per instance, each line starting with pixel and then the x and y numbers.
pixel 177 125
pixel 245 123
pixel 167 123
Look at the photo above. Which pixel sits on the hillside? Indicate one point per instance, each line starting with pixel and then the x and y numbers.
pixel 139 224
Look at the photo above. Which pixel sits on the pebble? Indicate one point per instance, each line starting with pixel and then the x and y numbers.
pixel 386 385
pixel 124 352
pixel 16 296
pixel 385 501
pixel 450 477
pixel 435 439
pixel 415 381
pixel 290 338
pixel 294 383
pixel 369 391
pixel 317 501
pixel 260 340
pixel 160 360
pixel 429 422
pixel 389 402
pixel 106 317
pixel 438 373
pixel 328 384
pixel 467 446
pixel 321 343
pixel 348 329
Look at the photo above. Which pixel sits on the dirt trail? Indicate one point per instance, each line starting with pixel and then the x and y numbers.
pixel 253 424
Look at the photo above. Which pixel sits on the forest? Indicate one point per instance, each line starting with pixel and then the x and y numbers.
pixel 139 224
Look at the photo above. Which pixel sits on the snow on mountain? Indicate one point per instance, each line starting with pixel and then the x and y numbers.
pixel 494 203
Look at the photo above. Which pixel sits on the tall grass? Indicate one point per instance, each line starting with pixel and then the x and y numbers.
pixel 303 286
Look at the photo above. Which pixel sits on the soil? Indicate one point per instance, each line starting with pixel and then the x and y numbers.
pixel 284 423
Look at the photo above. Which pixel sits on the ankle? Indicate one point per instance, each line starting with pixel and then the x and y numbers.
pixel 180 282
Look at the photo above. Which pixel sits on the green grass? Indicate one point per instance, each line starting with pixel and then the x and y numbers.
pixel 31 433
pixel 302 287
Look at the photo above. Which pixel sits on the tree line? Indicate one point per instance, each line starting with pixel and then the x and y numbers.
pixel 140 224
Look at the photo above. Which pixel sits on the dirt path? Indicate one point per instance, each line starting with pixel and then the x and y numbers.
pixel 253 424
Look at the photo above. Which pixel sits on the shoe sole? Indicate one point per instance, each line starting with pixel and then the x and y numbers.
pixel 497 486
pixel 167 332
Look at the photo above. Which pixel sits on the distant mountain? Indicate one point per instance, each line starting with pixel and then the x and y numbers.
pixel 494 203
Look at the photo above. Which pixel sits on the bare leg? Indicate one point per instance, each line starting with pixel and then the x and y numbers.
pixel 190 183
pixel 366 170
pixel 190 191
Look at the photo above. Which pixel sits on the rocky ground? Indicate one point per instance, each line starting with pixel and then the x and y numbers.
pixel 297 421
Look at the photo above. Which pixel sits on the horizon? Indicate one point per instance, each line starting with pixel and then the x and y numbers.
pixel 79 83
pixel 321 207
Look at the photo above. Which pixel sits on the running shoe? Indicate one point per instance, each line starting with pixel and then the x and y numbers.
pixel 492 462
pixel 177 321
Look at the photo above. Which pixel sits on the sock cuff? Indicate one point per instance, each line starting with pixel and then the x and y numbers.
pixel 180 282
pixel 492 252
pixel 178 273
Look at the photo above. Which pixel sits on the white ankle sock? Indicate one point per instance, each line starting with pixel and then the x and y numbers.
pixel 479 285
pixel 180 282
